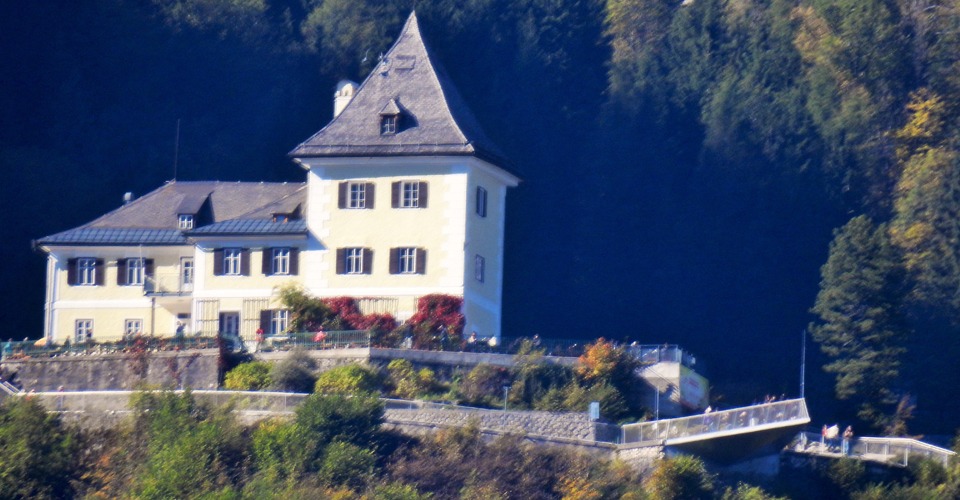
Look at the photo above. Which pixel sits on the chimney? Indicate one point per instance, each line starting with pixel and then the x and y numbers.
pixel 344 94
pixel 127 197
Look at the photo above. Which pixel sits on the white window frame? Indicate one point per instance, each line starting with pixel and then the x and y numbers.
pixel 353 261
pixel 479 268
pixel 231 261
pixel 132 327
pixel 86 271
pixel 136 270
pixel 81 327
pixel 410 194
pixel 388 124
pixel 481 201
pixel 187 271
pixel 279 321
pixel 185 221
pixel 407 260
pixel 281 260
pixel 357 195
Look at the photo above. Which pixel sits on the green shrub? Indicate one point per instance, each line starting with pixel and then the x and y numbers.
pixel 483 386
pixel 346 464
pixel 397 491
pixel 38 456
pixel 336 417
pixel 253 376
pixel 407 382
pixel 294 374
pixel 282 451
pixel 347 379
pixel 683 477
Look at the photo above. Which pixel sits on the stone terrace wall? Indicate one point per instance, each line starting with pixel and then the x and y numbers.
pixel 91 372
pixel 574 426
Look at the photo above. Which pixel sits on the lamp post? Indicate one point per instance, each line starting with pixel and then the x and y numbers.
pixel 506 392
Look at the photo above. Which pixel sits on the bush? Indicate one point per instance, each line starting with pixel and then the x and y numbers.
pixel 347 379
pixel 294 374
pixel 408 383
pixel 397 491
pixel 346 464
pixel 282 451
pixel 253 376
pixel 683 477
pixel 483 386
pixel 37 454
pixel 351 419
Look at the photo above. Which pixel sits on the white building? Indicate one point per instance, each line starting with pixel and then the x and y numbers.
pixel 405 196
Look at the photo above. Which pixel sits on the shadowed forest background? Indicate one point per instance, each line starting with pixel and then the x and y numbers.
pixel 688 168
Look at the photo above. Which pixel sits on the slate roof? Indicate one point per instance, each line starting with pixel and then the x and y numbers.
pixel 233 207
pixel 434 118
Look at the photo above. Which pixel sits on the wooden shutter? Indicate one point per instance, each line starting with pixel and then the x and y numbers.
pixel 369 195
pixel 121 272
pixel 367 261
pixel 421 261
pixel 341 260
pixel 422 202
pixel 99 271
pixel 294 261
pixel 394 260
pixel 71 272
pixel 245 262
pixel 147 268
pixel 342 195
pixel 218 262
pixel 266 316
pixel 267 264
pixel 395 195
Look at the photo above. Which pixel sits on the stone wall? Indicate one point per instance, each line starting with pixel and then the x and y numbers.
pixel 117 371
pixel 572 426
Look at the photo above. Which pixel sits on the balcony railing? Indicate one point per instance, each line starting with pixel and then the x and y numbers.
pixel 166 284
pixel 781 412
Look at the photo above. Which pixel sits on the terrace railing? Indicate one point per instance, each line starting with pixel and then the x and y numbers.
pixel 894 450
pixel 780 413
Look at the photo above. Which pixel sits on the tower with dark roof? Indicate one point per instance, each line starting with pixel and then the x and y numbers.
pixel 407 195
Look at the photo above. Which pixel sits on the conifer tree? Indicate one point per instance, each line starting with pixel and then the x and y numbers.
pixel 859 326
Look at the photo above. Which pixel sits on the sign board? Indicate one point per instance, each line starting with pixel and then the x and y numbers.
pixel 694 389
pixel 594 410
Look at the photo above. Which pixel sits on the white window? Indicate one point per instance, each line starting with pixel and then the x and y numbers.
pixel 231 261
pixel 132 327
pixel 83 330
pixel 281 261
pixel 135 271
pixel 481 201
pixel 279 321
pixel 410 194
pixel 358 195
pixel 407 261
pixel 186 273
pixel 185 221
pixel 86 271
pixel 388 124
pixel 354 261
pixel 479 268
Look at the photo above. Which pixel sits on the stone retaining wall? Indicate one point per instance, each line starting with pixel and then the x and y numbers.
pixel 117 371
pixel 574 426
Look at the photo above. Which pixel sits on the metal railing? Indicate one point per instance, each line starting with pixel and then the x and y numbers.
pixel 340 339
pixel 166 284
pixel 22 350
pixel 893 450
pixel 736 419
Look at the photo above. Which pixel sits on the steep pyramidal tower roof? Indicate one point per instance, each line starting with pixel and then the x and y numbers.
pixel 408 84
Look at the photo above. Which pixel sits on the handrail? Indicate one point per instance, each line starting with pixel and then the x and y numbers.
pixel 775 414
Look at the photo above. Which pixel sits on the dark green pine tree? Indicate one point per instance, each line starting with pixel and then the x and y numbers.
pixel 859 326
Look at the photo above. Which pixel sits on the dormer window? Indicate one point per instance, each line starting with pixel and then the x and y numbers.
pixel 281 218
pixel 388 124
pixel 185 221
pixel 390 118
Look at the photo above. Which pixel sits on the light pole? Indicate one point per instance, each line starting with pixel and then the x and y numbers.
pixel 506 392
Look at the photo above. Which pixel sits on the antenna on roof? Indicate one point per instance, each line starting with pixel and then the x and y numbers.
pixel 176 150
pixel 365 54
